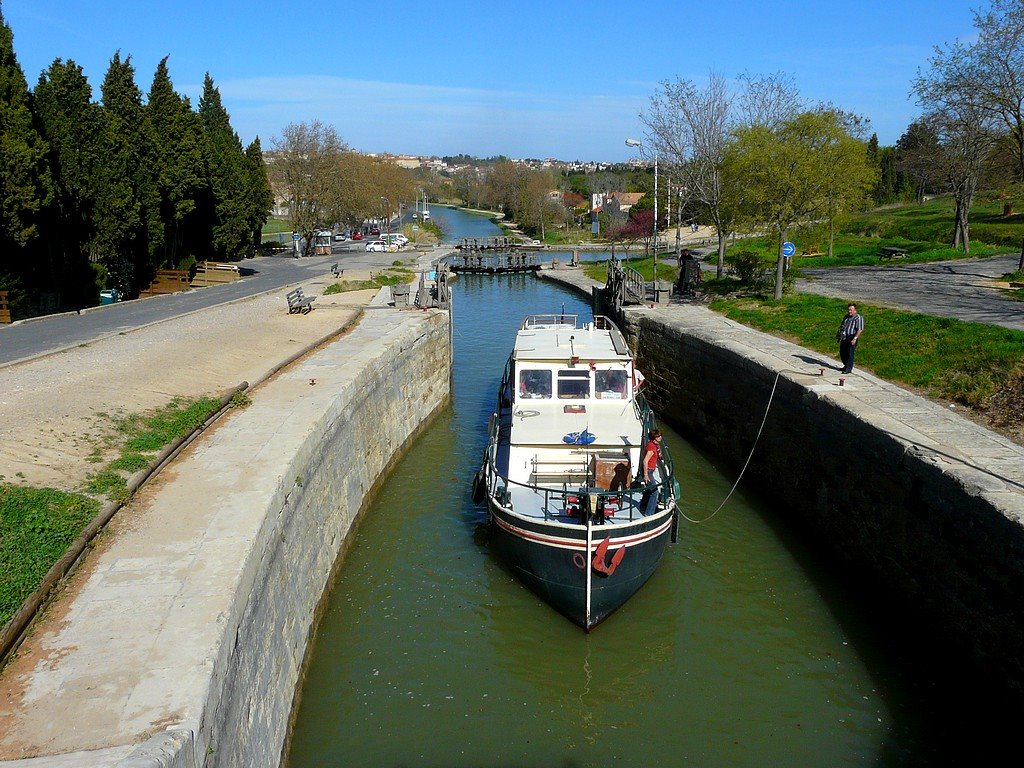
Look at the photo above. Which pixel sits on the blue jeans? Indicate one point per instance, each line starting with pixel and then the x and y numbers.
pixel 652 490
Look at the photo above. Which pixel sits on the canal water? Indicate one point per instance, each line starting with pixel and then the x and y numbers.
pixel 742 650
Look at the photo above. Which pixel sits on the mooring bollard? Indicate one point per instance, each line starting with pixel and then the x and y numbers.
pixel 842 381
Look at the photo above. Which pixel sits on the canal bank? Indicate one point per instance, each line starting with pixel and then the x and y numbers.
pixel 181 639
pixel 923 503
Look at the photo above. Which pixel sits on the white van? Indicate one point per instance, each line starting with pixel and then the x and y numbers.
pixel 397 239
pixel 426 215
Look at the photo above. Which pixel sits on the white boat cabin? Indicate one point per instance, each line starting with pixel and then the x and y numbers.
pixel 574 422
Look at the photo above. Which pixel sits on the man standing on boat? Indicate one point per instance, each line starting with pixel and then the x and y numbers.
pixel 652 476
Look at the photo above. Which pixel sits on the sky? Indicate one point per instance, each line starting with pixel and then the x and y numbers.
pixel 521 78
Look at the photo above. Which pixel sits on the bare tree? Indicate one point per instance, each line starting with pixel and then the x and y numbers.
pixel 690 128
pixel 768 100
pixel 304 165
pixel 966 129
pixel 993 67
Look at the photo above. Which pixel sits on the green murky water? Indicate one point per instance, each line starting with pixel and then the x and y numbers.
pixel 743 649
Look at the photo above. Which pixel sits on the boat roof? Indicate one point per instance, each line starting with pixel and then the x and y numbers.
pixel 614 424
pixel 561 337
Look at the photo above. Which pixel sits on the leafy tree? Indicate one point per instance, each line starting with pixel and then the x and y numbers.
pixel 24 174
pixel 782 173
pixel 228 222
pixel 690 129
pixel 917 152
pixel 71 123
pixel 848 175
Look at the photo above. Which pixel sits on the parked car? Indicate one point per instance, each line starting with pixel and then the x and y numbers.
pixel 357 235
pixel 340 237
pixel 377 245
pixel 374 232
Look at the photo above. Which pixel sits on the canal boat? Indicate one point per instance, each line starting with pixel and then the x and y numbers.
pixel 568 510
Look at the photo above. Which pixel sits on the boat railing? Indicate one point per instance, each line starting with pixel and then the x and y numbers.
pixel 555 320
pixel 559 502
pixel 569 499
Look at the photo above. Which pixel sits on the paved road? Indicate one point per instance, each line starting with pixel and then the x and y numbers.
pixel 963 289
pixel 50 334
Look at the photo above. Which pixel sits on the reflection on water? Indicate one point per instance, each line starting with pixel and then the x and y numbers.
pixel 431 654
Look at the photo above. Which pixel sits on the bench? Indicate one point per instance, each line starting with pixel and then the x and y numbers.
pixel 892 253
pixel 297 302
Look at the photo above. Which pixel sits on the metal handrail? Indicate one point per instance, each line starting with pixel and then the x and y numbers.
pixel 665 489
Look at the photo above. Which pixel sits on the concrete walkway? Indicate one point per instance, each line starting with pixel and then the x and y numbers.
pixel 965 289
pixel 128 649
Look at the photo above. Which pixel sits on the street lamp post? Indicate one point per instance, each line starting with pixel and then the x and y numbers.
pixel 654 244
pixel 387 221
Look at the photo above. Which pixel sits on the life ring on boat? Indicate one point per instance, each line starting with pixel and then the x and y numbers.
pixel 479 488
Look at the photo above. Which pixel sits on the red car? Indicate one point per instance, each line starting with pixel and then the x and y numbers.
pixel 357 235
pixel 374 232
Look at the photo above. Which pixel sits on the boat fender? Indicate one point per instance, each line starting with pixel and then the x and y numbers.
pixel 599 555
pixel 479 488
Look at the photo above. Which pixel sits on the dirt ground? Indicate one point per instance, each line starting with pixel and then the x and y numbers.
pixel 56 411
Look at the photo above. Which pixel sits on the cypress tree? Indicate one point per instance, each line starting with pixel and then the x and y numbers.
pixel 229 224
pixel 24 181
pixel 179 168
pixel 128 227
pixel 70 122
pixel 260 196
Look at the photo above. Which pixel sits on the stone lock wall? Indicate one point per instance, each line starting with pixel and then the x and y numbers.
pixel 921 500
pixel 345 451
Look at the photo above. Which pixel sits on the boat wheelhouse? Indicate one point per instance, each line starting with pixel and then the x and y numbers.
pixel 559 474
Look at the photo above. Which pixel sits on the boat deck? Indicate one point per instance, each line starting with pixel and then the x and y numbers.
pixel 530 502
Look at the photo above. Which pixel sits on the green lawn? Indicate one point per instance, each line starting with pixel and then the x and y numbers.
pixel 37 525
pixel 274 226
pixel 949 359
pixel 667 269
pixel 924 231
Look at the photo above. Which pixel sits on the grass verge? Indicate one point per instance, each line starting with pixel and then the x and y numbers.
pixel 979 366
pixel 36 527
pixel 391 276
pixel 141 437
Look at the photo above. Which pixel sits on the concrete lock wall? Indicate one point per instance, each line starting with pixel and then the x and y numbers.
pixel 345 452
pixel 926 502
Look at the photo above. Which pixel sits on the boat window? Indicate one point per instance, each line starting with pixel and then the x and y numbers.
pixel 534 384
pixel 574 384
pixel 611 385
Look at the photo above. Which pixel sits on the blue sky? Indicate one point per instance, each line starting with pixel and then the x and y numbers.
pixel 527 78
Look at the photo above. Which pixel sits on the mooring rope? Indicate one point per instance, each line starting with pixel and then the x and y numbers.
pixel 749 457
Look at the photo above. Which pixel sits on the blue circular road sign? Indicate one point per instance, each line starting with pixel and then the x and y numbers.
pixel 296 236
pixel 788 249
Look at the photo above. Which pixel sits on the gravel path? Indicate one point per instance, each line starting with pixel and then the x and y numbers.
pixel 56 409
pixel 966 289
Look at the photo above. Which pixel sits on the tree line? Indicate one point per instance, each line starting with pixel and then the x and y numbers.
pixel 326 184
pixel 753 155
pixel 101 194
